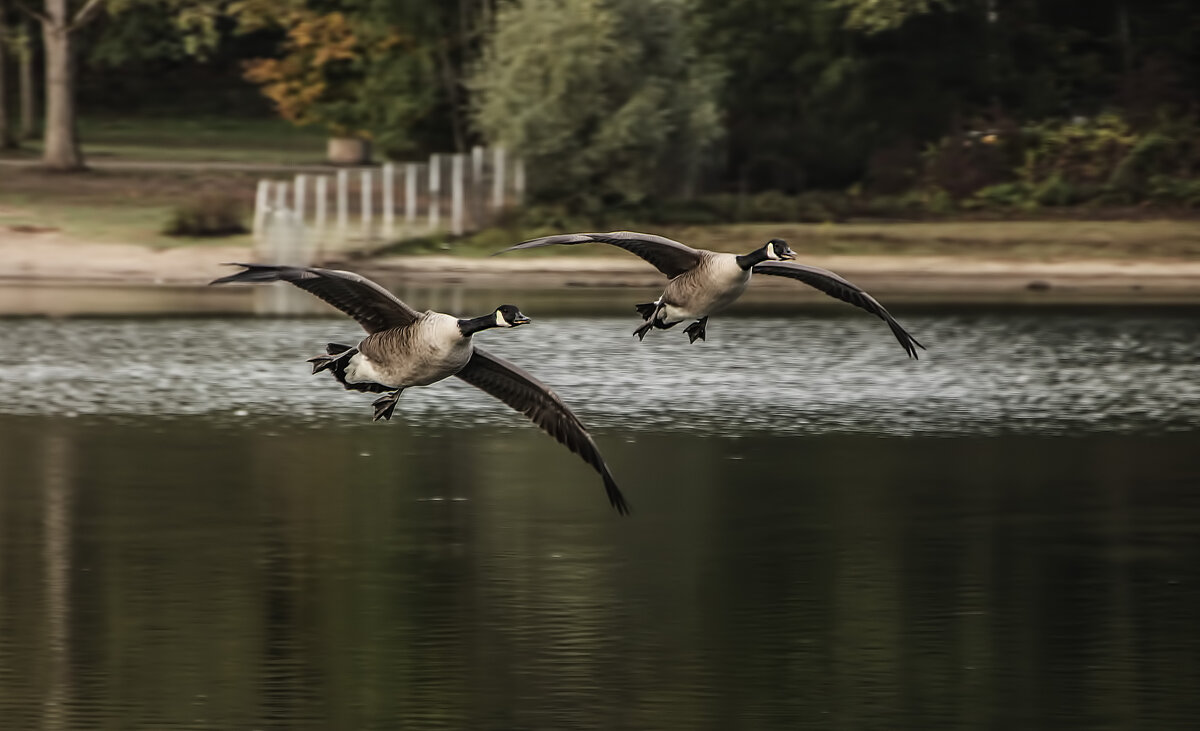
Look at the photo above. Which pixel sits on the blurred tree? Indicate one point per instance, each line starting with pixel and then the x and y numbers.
pixel 384 69
pixel 7 140
pixel 61 21
pixel 875 16
pixel 61 144
pixel 607 100
pixel 22 45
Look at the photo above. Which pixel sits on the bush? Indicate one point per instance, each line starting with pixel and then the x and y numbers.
pixel 213 214
pixel 1169 190
pixel 1080 151
pixel 1002 195
pixel 963 163
pixel 1149 156
pixel 1100 160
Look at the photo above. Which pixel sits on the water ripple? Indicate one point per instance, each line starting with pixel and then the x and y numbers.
pixel 1027 372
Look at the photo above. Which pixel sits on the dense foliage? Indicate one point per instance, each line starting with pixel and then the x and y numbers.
pixel 607 100
pixel 956 103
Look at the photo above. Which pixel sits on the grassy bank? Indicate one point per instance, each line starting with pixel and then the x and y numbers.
pixel 116 207
pixel 194 139
pixel 107 205
pixel 1022 240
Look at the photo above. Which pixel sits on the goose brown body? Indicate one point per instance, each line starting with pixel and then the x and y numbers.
pixel 713 284
pixel 703 282
pixel 404 348
pixel 426 351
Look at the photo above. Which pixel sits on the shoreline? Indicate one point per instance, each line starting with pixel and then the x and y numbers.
pixel 48 273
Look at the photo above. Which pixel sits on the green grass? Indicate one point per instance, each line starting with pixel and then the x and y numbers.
pixel 112 207
pixel 197 139
pixel 126 224
pixel 985 239
pixel 134 206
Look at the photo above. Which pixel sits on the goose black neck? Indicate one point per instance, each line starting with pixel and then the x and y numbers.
pixel 473 325
pixel 758 256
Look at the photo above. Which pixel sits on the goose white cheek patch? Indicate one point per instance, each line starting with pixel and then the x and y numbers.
pixel 500 321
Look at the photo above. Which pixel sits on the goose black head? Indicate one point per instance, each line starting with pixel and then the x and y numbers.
pixel 510 316
pixel 778 249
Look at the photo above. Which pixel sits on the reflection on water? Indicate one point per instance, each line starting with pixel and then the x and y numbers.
pixel 984 373
pixel 1020 548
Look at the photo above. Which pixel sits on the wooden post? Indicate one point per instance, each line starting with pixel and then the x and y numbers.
pixel 262 205
pixel 519 180
pixel 322 190
pixel 456 194
pixel 435 184
pixel 410 195
pixel 497 178
pixel 477 165
pixel 343 202
pixel 366 204
pixel 320 204
pixel 298 195
pixel 476 193
pixel 389 199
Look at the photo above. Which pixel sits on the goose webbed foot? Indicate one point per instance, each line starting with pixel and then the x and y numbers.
pixel 386 404
pixel 696 330
pixel 335 353
pixel 643 329
pixel 647 310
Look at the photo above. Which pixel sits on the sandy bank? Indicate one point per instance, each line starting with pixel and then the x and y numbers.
pixel 31 258
pixel 914 278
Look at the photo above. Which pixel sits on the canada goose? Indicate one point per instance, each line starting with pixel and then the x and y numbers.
pixel 705 282
pixel 406 348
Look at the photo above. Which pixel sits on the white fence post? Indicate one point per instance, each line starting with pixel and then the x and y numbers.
pixel 262 204
pixel 435 184
pixel 343 202
pixel 410 195
pixel 281 196
pixel 519 180
pixel 497 178
pixel 366 204
pixel 298 194
pixel 389 199
pixel 456 194
pixel 477 165
pixel 322 190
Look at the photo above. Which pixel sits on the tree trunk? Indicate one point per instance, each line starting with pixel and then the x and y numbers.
pixel 1124 37
pixel 25 71
pixel 6 137
pixel 61 147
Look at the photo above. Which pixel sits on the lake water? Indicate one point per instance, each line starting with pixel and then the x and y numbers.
pixel 196 533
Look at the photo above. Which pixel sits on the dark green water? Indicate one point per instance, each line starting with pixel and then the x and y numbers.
pixel 977 540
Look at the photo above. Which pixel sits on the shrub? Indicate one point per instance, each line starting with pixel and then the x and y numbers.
pixel 213 214
pixel 1168 190
pixel 1077 151
pixel 1149 156
pixel 1003 195
pixel 1100 160
pixel 963 163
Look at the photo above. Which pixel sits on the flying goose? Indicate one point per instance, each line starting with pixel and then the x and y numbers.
pixel 406 348
pixel 705 282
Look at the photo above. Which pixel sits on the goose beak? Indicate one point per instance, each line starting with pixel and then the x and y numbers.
pixel 521 320
pixel 787 255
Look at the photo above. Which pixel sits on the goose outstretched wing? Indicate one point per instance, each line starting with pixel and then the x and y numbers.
pixel 669 257
pixel 520 390
pixel 369 304
pixel 835 286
